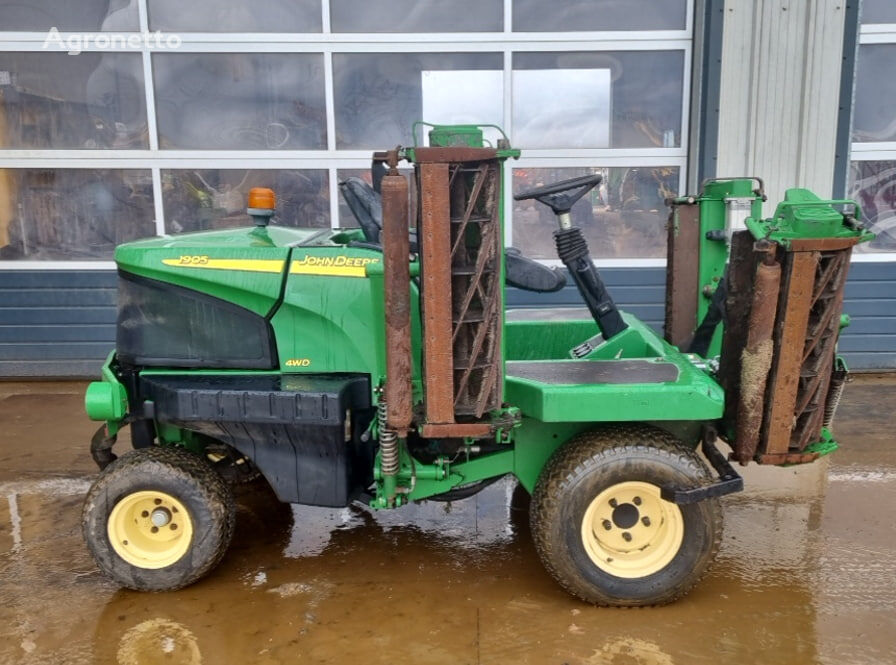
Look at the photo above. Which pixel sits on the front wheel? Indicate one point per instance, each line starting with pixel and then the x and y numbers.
pixel 158 519
pixel 602 529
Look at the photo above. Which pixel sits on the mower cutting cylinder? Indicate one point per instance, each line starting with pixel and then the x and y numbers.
pixel 396 289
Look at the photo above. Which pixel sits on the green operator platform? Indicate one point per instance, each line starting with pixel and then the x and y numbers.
pixel 379 364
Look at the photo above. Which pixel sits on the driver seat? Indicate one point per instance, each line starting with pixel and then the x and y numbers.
pixel 520 271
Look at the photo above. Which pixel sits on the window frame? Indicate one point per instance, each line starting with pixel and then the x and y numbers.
pixel 868 151
pixel 327 43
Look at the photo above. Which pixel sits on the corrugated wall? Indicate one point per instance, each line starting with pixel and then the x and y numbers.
pixel 62 323
pixel 779 103
pixel 56 323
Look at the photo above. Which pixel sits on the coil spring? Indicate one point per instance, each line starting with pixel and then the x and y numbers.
pixel 389 459
pixel 835 393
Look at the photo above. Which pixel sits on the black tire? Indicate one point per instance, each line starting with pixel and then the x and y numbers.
pixel 591 466
pixel 189 481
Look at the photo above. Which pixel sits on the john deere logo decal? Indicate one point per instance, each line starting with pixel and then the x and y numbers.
pixel 336 266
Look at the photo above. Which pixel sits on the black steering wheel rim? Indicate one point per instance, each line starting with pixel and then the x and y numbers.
pixel 558 187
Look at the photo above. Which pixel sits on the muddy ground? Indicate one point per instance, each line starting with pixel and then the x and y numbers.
pixel 806 574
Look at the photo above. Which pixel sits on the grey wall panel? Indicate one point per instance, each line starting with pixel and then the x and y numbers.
pixel 56 323
pixel 62 323
pixel 41 369
pixel 779 102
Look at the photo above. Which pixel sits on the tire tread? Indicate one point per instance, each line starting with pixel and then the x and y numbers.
pixel 161 463
pixel 574 459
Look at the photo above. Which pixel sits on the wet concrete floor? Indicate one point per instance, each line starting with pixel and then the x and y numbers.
pixel 806 574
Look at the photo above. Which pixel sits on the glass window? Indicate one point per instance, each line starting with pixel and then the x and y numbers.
pixel 87 15
pixel 378 96
pixel 197 200
pixel 416 15
pixel 59 214
pixel 875 94
pixel 347 219
pixel 873 186
pixel 240 101
pixel 623 217
pixel 878 11
pixel 619 99
pixel 56 100
pixel 576 15
pixel 216 16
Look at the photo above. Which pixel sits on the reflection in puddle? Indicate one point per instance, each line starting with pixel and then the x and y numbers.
pixel 478 523
pixel 630 650
pixel 159 641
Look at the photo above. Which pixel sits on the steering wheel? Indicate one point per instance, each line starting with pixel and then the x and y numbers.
pixel 561 196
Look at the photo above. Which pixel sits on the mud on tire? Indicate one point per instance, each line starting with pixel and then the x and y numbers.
pixel 180 479
pixel 586 470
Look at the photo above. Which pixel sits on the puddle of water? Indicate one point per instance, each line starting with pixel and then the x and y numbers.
pixel 801 578
pixel 788 576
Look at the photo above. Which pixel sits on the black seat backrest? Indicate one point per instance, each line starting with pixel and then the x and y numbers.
pixel 366 205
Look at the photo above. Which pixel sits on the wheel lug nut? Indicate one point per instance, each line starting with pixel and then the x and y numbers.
pixel 637 501
pixel 608 525
pixel 173 527
pixel 613 503
pixel 645 521
pixel 145 513
pixel 158 502
pixel 155 529
pixel 626 536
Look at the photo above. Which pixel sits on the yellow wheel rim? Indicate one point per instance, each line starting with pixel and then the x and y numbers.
pixel 630 531
pixel 150 529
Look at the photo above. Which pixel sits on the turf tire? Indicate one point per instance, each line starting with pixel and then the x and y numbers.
pixel 181 474
pixel 594 461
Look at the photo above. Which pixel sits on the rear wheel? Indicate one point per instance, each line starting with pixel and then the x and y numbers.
pixel 602 529
pixel 158 519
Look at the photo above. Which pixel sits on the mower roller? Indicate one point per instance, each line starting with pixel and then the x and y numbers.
pixel 379 365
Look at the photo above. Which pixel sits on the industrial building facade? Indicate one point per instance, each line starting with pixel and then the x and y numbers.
pixel 122 119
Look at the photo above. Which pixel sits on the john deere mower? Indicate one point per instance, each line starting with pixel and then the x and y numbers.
pixel 380 365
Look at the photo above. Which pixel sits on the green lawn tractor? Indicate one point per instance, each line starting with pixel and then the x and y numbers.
pixel 380 365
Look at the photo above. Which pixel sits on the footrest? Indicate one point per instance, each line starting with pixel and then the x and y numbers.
pixel 729 480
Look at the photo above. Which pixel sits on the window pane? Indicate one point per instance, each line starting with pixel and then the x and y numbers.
pixel 347 219
pixel 873 186
pixel 197 200
pixel 378 97
pixel 215 16
pixel 576 15
pixel 52 214
pixel 875 97
pixel 56 100
pixel 240 101
pixel 878 11
pixel 87 15
pixel 619 99
pixel 417 16
pixel 623 217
